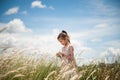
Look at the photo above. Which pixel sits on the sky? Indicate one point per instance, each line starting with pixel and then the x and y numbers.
pixel 93 26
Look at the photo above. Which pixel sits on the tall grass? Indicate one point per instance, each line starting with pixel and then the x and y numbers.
pixel 101 71
pixel 17 66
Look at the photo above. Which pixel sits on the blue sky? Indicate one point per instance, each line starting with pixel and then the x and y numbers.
pixel 93 25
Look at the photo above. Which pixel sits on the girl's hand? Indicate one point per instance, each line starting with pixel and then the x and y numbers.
pixel 59 54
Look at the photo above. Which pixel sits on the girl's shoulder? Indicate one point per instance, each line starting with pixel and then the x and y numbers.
pixel 70 47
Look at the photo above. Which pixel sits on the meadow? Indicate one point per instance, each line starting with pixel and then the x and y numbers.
pixel 18 66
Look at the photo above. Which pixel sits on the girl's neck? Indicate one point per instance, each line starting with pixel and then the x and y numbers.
pixel 67 44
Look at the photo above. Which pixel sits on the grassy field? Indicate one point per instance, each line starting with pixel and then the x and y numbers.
pixel 17 66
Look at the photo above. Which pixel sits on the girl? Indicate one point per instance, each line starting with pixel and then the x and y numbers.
pixel 67 53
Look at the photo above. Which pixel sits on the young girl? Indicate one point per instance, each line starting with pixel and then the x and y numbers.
pixel 67 53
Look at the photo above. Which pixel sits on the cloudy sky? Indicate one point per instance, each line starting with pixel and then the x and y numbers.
pixel 93 25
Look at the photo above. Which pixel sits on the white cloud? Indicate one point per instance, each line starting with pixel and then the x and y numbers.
pixel 102 8
pixel 24 12
pixel 102 25
pixel 113 43
pixel 37 4
pixel 7 40
pixel 111 54
pixel 100 31
pixel 17 26
pixel 2 25
pixel 51 7
pixel 96 40
pixel 45 43
pixel 13 10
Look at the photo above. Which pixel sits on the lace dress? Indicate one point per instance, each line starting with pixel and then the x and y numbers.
pixel 67 58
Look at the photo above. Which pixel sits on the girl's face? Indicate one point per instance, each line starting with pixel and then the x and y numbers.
pixel 63 42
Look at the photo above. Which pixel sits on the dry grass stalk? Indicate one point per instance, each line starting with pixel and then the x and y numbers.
pixel 80 74
pixel 67 75
pixel 50 74
pixel 3 29
pixel 18 75
pixel 75 77
pixel 91 74
pixel 10 72
pixel 107 78
pixel 64 69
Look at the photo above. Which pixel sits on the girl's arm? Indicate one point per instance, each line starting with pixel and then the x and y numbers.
pixel 72 56
pixel 60 54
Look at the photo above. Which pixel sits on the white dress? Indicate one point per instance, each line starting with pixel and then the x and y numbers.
pixel 66 51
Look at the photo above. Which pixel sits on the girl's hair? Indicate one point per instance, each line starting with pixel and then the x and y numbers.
pixel 63 35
